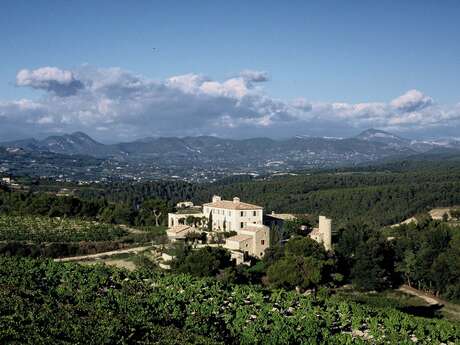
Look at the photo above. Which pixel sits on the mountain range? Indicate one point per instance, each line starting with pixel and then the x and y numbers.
pixel 369 141
pixel 256 154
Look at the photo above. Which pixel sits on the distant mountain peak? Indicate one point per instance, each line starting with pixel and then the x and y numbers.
pixel 80 134
pixel 377 135
pixel 83 137
pixel 372 132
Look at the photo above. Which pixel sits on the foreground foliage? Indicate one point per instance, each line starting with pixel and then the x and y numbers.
pixel 46 302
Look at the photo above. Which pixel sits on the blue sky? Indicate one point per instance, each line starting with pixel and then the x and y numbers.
pixel 321 53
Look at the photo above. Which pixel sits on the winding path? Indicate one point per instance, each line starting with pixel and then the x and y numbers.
pixel 447 307
pixel 134 250
pixel 431 300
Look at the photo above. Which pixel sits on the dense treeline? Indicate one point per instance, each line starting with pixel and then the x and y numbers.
pixel 135 193
pixel 379 197
pixel 427 256
pixel 44 204
pixel 47 302
pixel 95 208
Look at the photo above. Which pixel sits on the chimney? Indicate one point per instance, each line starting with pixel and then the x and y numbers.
pixel 236 200
pixel 216 198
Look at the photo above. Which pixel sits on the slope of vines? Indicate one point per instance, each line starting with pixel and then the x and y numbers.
pixel 45 229
pixel 46 302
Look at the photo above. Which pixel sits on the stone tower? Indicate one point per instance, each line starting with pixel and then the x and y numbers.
pixel 325 231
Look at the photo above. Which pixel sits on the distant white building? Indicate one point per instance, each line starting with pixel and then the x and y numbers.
pixel 232 215
pixel 251 240
pixel 7 180
pixel 184 204
pixel 184 212
pixel 323 233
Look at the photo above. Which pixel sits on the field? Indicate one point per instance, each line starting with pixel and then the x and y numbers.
pixel 39 229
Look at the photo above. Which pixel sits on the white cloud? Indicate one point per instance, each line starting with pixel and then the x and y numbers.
pixel 61 82
pixel 115 104
pixel 411 101
pixel 302 104
pixel 255 76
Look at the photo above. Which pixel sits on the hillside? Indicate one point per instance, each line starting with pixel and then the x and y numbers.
pixel 206 158
pixel 44 302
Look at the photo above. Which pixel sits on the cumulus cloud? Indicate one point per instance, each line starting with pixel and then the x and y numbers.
pixel 61 82
pixel 411 101
pixel 302 104
pixel 115 104
pixel 255 76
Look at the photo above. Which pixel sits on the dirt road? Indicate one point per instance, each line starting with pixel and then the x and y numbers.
pixel 134 250
pixel 449 308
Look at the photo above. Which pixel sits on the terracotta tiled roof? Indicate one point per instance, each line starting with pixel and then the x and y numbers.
pixel 254 228
pixel 239 238
pixel 178 229
pixel 230 205
pixel 282 216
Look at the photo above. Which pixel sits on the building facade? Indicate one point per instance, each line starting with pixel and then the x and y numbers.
pixel 232 215
pixel 251 240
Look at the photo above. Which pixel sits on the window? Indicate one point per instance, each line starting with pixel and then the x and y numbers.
pixel 255 213
pixel 241 225
pixel 242 213
pixel 262 242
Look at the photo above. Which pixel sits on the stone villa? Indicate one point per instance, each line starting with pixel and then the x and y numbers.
pixel 251 237
pixel 232 215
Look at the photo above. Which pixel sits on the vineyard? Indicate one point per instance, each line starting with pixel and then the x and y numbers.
pixel 39 229
pixel 46 302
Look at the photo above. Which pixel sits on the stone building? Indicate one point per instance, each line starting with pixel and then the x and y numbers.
pixel 323 233
pixel 232 215
pixel 251 240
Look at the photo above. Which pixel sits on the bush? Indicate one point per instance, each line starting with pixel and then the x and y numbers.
pixel 207 261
